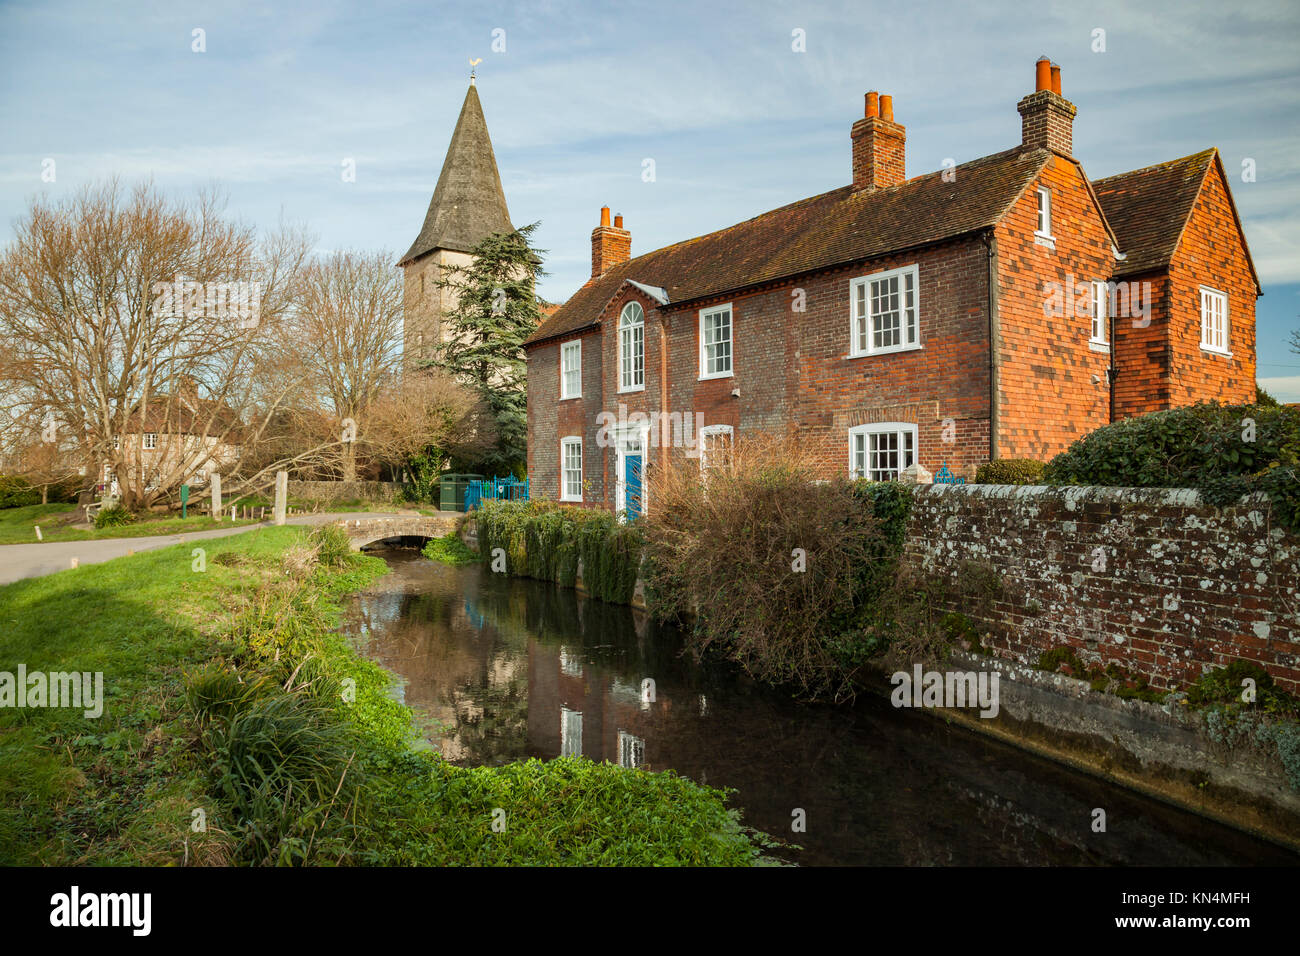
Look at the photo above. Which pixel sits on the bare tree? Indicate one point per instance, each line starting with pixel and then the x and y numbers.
pixel 126 315
pixel 427 409
pixel 345 333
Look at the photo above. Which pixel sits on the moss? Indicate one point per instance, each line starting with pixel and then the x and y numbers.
pixel 1052 660
pixel 1224 685
pixel 958 627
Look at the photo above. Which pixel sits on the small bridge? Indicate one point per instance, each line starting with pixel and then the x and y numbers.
pixel 364 531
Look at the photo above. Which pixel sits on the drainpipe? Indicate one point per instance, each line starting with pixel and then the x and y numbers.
pixel 663 390
pixel 995 330
pixel 1112 373
pixel 1112 298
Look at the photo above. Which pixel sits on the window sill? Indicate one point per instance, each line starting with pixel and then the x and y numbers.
pixel 569 398
pixel 900 348
pixel 706 378
pixel 1042 240
pixel 570 501
pixel 1219 352
pixel 634 388
pixel 1098 346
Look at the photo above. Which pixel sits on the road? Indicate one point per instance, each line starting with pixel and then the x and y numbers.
pixel 18 561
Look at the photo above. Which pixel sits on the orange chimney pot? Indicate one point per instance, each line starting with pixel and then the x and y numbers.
pixel 1042 74
pixel 873 104
pixel 887 108
pixel 618 221
pixel 604 215
pixel 1056 79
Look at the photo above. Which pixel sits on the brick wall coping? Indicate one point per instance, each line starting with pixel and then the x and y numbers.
pixel 1070 494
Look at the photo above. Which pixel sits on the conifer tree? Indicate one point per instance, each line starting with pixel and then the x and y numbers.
pixel 496 310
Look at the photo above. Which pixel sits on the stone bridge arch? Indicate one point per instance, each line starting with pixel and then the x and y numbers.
pixel 366 531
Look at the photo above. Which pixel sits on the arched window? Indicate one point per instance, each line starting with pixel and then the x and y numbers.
pixel 631 348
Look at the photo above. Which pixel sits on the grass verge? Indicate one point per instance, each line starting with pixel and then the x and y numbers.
pixel 238 727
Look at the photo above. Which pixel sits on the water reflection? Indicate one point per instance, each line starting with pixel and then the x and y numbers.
pixel 508 669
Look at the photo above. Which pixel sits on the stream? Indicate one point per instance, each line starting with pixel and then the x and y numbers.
pixel 505 669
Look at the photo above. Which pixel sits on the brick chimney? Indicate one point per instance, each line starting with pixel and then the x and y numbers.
pixel 878 146
pixel 1047 117
pixel 610 245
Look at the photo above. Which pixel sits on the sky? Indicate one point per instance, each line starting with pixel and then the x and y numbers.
pixel 736 118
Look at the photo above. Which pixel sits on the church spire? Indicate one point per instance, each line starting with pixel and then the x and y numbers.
pixel 468 203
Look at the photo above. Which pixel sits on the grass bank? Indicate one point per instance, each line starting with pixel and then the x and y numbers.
pixel 18 525
pixel 238 727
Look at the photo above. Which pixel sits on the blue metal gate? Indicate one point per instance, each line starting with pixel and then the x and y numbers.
pixel 509 488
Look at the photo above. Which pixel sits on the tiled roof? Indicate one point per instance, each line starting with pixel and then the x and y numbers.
pixel 834 228
pixel 468 204
pixel 183 416
pixel 1148 208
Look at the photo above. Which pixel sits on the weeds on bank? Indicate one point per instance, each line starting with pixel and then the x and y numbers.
pixel 449 549
pixel 1243 707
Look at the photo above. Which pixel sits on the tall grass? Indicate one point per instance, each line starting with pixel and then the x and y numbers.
pixel 545 540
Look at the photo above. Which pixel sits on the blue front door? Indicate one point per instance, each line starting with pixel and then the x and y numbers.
pixel 632 485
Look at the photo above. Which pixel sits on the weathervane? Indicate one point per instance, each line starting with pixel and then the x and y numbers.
pixel 473 63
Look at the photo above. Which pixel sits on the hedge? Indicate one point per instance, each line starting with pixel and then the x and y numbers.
pixel 1010 471
pixel 1223 451
pixel 17 492
pixel 546 540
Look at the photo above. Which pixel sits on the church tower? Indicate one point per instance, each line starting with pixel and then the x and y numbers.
pixel 468 205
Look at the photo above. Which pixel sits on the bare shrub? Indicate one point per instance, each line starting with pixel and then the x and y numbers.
pixel 765 557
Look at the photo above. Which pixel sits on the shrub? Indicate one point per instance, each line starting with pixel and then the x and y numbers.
pixel 912 621
pixel 1223 451
pixel 114 517
pixel 1010 471
pixel 546 540
pixel 772 563
pixel 17 492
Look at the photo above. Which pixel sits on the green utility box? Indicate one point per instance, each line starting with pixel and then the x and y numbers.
pixel 451 491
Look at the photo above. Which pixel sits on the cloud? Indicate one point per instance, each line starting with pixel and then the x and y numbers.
pixel 1285 388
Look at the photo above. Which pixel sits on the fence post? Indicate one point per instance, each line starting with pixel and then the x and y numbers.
pixel 281 495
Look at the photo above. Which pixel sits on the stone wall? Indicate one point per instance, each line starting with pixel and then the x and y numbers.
pixel 330 491
pixel 1155 580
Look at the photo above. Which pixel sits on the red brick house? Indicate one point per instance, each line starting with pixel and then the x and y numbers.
pixel 996 309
